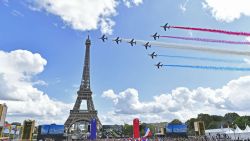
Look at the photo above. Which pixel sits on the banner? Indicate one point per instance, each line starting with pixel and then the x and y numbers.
pixel 176 128
pixel 52 129
pixel 136 128
pixel 93 132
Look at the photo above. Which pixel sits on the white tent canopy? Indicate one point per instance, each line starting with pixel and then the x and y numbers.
pixel 247 129
pixel 238 130
pixel 234 134
pixel 214 132
pixel 229 131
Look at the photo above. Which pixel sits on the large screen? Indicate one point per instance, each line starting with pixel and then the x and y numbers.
pixel 52 129
pixel 176 128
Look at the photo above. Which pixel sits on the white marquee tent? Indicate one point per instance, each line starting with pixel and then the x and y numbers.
pixel 234 134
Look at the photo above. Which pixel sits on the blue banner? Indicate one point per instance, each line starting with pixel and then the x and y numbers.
pixel 52 129
pixel 176 128
pixel 93 129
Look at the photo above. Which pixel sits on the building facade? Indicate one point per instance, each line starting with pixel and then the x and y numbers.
pixel 3 112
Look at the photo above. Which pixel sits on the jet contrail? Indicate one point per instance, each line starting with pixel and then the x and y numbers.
pixel 204 59
pixel 194 48
pixel 213 30
pixel 210 67
pixel 207 40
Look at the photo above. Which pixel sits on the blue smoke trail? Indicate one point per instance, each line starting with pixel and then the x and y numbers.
pixel 210 67
pixel 204 59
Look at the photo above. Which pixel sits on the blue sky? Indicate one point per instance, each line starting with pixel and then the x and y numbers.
pixel 39 28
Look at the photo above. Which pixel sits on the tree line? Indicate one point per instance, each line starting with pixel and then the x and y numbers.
pixel 210 121
pixel 215 121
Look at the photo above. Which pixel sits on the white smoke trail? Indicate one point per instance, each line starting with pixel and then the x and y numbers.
pixel 191 47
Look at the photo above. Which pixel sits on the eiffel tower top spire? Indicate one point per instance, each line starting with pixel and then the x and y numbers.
pixel 85 82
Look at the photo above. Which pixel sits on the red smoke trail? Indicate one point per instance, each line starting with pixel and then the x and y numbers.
pixel 213 30
pixel 207 40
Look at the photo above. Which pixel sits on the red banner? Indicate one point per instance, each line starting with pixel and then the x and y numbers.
pixel 136 128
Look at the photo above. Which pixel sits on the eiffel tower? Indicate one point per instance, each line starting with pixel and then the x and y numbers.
pixel 83 94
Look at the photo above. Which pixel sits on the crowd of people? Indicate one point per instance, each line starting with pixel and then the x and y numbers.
pixel 201 138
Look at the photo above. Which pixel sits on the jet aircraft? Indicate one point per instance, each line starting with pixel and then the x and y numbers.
pixel 159 65
pixel 166 26
pixel 132 42
pixel 147 45
pixel 117 40
pixel 156 36
pixel 152 55
pixel 104 37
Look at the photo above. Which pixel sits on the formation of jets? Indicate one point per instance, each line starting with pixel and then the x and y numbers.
pixel 147 45
pixel 118 39
pixel 133 42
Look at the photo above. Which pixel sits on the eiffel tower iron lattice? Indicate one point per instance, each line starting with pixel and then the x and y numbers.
pixel 84 94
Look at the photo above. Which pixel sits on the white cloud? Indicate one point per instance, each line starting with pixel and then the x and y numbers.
pixel 110 94
pixel 106 26
pixel 81 14
pixel 17 71
pixel 110 118
pixel 130 3
pixel 40 82
pixel 182 102
pixel 183 6
pixel 227 10
pixel 84 14
pixel 127 102
pixel 17 13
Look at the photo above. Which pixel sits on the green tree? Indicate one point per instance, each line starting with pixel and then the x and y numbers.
pixel 176 121
pixel 213 125
pixel 190 123
pixel 128 130
pixel 217 118
pixel 210 121
pixel 204 117
pixel 230 117
pixel 190 126
pixel 142 127
pixel 215 121
pixel 242 121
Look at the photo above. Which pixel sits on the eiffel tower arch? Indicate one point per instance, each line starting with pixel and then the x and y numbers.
pixel 83 94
